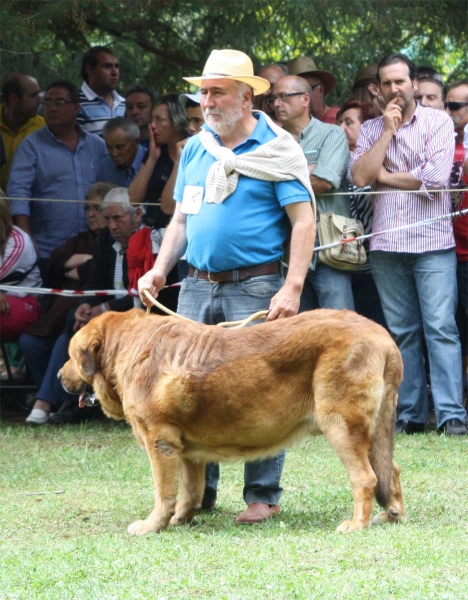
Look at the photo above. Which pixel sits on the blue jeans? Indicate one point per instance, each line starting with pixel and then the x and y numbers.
pixel 327 288
pixel 210 303
pixel 45 357
pixel 419 294
pixel 366 297
pixel 462 313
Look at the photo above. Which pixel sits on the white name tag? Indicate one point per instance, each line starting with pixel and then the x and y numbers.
pixel 192 199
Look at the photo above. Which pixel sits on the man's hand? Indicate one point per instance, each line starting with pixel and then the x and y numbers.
pixel 83 315
pixel 4 305
pixel 284 304
pixel 153 281
pixel 392 116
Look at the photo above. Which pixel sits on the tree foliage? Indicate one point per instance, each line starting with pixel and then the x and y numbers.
pixel 159 41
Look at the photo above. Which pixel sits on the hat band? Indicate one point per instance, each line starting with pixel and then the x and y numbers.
pixel 223 75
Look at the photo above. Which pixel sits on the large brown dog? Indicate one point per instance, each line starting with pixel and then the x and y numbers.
pixel 195 393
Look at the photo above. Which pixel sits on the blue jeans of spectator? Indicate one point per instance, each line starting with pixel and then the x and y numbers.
pixel 210 303
pixel 327 288
pixel 419 294
pixel 45 357
pixel 462 312
pixel 366 297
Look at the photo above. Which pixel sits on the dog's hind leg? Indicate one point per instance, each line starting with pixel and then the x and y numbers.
pixel 353 452
pixel 165 462
pixel 394 510
pixel 192 485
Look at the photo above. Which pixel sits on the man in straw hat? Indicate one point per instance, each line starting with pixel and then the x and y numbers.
pixel 242 183
pixel 321 82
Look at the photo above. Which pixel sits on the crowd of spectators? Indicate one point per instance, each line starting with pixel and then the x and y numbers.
pixel 90 192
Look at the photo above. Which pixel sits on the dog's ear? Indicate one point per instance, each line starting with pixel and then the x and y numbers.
pixel 90 356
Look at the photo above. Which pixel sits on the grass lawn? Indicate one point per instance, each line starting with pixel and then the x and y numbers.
pixel 73 544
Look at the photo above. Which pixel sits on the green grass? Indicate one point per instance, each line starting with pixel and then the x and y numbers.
pixel 73 545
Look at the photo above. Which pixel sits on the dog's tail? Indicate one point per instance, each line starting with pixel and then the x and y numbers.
pixel 381 455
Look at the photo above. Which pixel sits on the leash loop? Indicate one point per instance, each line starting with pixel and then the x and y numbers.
pixel 261 314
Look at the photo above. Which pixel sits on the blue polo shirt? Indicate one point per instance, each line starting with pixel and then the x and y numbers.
pixel 250 227
pixel 109 171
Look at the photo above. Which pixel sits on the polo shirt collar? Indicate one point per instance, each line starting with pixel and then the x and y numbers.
pixel 91 94
pixel 257 134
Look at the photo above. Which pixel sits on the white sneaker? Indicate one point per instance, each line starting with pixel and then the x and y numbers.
pixel 38 417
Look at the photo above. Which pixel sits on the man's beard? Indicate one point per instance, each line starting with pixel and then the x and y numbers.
pixel 229 118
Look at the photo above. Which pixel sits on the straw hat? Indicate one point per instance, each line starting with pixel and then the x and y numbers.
pixel 231 64
pixel 302 65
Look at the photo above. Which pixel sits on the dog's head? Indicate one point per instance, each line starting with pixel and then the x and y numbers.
pixel 92 353
pixel 84 351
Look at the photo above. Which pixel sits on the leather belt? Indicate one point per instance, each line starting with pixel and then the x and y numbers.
pixel 236 274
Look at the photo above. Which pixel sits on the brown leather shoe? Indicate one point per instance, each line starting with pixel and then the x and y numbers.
pixel 257 512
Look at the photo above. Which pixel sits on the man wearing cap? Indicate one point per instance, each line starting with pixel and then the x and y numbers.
pixel 242 183
pixel 321 82
pixel 195 118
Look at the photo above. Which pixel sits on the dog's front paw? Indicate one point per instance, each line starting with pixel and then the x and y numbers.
pixel 348 526
pixel 142 528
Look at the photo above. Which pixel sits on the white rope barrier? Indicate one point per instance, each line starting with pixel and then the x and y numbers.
pixel 67 200
pixel 460 213
pixel 82 293
pixel 71 293
pixel 59 292
pixel 328 194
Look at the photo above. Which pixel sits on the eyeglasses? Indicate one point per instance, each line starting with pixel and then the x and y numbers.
pixel 455 105
pixel 270 100
pixel 58 102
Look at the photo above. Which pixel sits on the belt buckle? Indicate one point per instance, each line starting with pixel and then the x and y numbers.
pixel 209 278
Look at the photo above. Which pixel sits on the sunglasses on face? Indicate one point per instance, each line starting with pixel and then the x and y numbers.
pixel 455 105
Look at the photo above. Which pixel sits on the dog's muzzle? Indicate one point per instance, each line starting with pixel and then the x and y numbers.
pixel 87 397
